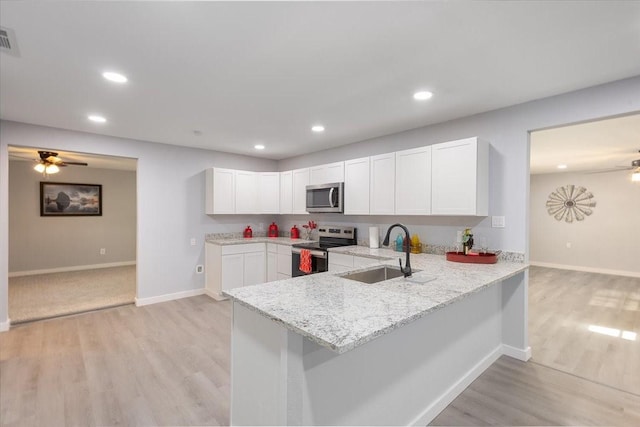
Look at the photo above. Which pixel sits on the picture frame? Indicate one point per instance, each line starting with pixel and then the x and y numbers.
pixel 70 199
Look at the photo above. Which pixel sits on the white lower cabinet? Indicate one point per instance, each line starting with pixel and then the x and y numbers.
pixel 278 262
pixel 232 266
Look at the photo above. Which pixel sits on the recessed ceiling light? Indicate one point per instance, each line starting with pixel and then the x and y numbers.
pixel 422 95
pixel 97 119
pixel 562 166
pixel 114 77
pixel 318 128
pixel 259 147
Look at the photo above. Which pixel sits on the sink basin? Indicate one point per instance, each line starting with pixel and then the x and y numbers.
pixel 375 275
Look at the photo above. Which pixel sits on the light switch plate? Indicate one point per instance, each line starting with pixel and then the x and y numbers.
pixel 193 241
pixel 497 221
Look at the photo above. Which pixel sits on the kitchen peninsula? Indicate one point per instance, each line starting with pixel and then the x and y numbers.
pixel 325 350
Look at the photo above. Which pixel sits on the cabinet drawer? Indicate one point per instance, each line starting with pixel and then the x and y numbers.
pixel 284 249
pixel 242 248
pixel 341 259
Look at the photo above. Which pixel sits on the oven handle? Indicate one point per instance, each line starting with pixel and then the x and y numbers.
pixel 317 254
pixel 331 197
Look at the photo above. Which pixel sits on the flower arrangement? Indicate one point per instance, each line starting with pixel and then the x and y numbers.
pixel 308 228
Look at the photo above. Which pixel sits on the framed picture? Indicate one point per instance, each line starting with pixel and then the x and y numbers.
pixel 66 199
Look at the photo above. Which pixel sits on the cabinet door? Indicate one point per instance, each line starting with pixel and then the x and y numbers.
pixel 356 186
pixel 284 264
pixel 413 181
pixel 232 271
pixel 269 192
pixel 272 266
pixel 220 188
pixel 286 192
pixel 254 268
pixel 300 182
pixel 382 184
pixel 461 178
pixel 325 174
pixel 246 192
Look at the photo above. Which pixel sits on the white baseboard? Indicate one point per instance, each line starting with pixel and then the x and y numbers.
pixel 71 268
pixel 516 353
pixel 4 326
pixel 450 395
pixel 168 297
pixel 586 269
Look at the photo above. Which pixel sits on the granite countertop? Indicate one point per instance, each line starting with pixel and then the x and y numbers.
pixel 342 314
pixel 242 241
pixel 366 252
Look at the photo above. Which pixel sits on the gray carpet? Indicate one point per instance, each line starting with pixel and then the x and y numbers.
pixel 56 294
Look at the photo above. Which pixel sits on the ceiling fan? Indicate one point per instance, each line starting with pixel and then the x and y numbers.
pixel 50 163
pixel 635 166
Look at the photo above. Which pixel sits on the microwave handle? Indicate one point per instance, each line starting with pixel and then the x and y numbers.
pixel 331 197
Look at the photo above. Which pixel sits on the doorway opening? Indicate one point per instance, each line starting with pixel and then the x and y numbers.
pixel 72 232
pixel 584 281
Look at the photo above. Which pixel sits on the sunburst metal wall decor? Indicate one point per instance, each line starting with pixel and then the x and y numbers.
pixel 570 202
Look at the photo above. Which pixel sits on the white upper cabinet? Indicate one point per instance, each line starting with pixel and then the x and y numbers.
pixel 382 185
pixel 460 178
pixel 356 186
pixel 413 181
pixel 325 174
pixel 300 182
pixel 269 192
pixel 220 191
pixel 286 192
pixel 246 192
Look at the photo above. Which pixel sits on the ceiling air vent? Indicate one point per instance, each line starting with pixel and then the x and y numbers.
pixel 8 41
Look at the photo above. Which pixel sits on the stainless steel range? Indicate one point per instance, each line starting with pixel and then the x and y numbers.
pixel 330 236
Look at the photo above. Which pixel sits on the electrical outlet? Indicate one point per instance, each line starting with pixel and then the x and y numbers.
pixel 193 241
pixel 199 269
pixel 497 221
pixel 103 251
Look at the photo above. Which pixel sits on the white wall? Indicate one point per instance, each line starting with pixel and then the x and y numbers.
pixel 508 131
pixel 606 241
pixel 168 173
pixel 170 202
pixel 41 243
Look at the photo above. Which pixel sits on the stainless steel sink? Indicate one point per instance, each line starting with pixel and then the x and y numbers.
pixel 375 275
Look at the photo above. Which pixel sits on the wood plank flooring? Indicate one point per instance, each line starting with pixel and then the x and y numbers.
pixel 564 304
pixel 163 364
pixel 168 364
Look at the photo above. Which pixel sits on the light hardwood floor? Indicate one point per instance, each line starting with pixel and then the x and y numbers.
pixel 168 364
pixel 564 304
pixel 163 364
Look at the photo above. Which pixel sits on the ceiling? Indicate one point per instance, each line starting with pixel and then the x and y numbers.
pixel 242 73
pixel 602 145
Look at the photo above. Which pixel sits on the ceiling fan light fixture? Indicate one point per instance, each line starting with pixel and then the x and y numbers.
pixel 635 176
pixel 50 169
pixel 40 168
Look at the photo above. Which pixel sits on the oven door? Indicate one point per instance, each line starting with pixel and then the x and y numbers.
pixel 319 262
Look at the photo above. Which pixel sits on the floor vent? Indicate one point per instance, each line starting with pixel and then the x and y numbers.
pixel 8 41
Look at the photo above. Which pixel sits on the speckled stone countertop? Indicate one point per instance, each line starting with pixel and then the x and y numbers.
pixel 242 241
pixel 342 314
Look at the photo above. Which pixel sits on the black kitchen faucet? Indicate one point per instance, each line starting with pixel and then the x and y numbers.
pixel 407 265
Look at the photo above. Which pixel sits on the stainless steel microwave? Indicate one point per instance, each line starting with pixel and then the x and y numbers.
pixel 325 197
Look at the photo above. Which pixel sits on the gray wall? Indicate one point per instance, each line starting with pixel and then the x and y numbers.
pixel 508 132
pixel 37 243
pixel 606 241
pixel 166 261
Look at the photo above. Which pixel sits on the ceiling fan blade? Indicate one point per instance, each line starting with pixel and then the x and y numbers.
pixel 73 164
pixel 620 169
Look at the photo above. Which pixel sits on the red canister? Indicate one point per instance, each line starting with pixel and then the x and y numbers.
pixel 295 233
pixel 273 230
pixel 248 232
